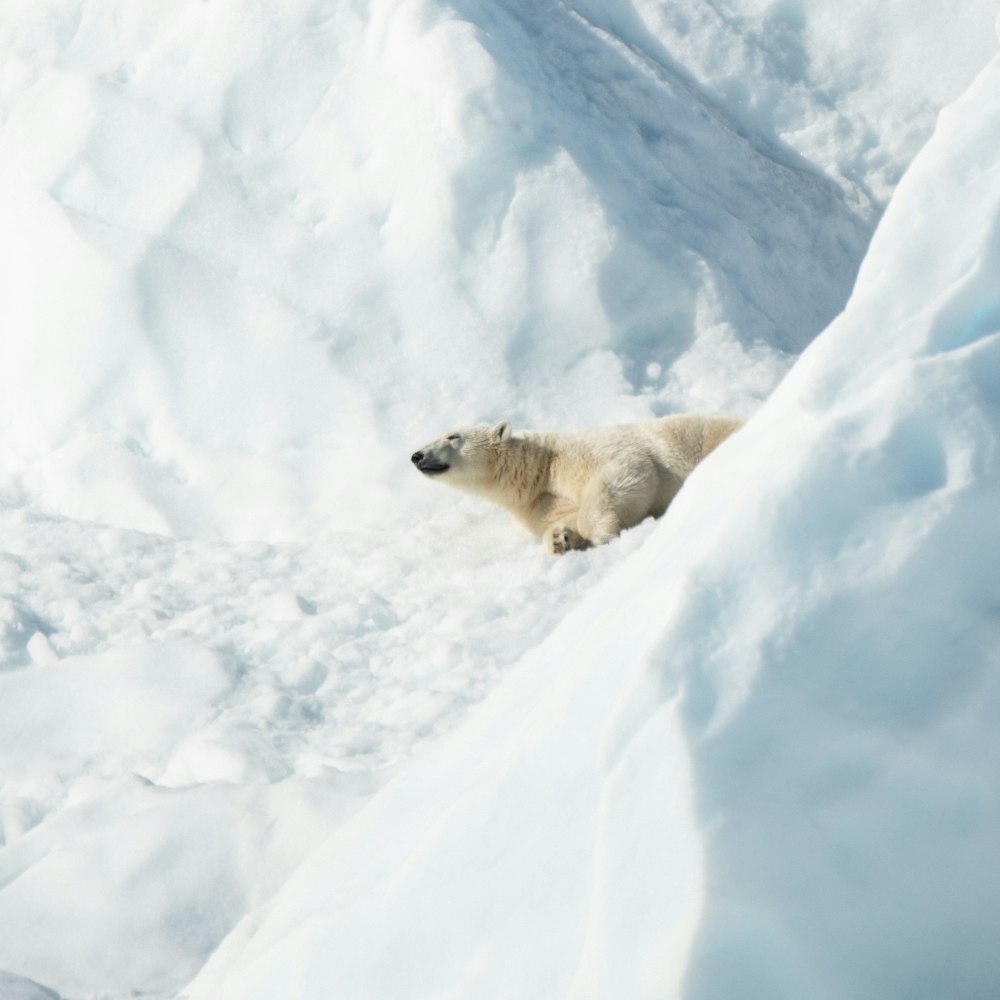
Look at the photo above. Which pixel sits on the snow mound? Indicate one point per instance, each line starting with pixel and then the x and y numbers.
pixel 138 884
pixel 114 707
pixel 841 724
pixel 235 245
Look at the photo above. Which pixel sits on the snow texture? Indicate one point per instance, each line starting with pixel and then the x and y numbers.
pixel 279 719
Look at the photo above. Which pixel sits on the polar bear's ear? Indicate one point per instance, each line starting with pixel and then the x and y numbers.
pixel 500 433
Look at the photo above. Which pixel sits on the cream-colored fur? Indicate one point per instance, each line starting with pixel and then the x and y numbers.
pixel 577 488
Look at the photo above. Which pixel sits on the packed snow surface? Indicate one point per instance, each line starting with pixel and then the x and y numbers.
pixel 279 719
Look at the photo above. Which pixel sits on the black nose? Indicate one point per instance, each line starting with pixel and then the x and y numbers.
pixel 417 457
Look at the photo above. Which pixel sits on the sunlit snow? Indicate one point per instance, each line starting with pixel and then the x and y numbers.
pixel 279 719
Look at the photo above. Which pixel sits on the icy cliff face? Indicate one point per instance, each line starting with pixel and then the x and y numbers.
pixel 251 258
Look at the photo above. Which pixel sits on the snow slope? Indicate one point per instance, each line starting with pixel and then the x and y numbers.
pixel 761 759
pixel 235 239
pixel 249 258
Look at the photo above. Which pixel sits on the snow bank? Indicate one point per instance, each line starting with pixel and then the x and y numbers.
pixel 137 884
pixel 841 722
pixel 761 759
pixel 96 857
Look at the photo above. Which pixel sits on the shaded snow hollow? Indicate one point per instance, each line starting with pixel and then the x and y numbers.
pixel 278 719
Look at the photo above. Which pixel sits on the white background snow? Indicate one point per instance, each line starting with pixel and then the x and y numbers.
pixel 278 719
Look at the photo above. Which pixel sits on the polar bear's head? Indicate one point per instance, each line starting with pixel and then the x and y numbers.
pixel 464 458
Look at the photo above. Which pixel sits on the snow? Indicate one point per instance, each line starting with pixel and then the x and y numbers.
pixel 278 718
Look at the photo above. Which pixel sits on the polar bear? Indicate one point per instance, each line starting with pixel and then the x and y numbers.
pixel 578 488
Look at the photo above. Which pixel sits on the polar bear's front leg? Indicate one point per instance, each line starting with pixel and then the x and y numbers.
pixel 561 538
pixel 620 497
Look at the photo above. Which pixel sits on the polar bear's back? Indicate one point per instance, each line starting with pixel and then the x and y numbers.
pixel 678 442
pixel 689 437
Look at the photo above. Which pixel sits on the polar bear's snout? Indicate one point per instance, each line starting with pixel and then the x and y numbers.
pixel 428 464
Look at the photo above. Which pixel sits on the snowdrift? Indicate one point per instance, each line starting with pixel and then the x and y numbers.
pixel 761 760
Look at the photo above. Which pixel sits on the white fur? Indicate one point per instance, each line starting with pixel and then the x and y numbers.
pixel 577 488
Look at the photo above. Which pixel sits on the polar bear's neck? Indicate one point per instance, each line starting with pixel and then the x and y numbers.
pixel 520 473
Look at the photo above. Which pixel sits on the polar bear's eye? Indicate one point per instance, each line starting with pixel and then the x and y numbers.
pixel 453 437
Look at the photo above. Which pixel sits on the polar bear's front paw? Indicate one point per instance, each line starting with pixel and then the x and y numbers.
pixel 560 539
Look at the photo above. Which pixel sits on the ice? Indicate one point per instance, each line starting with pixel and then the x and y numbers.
pixel 278 718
